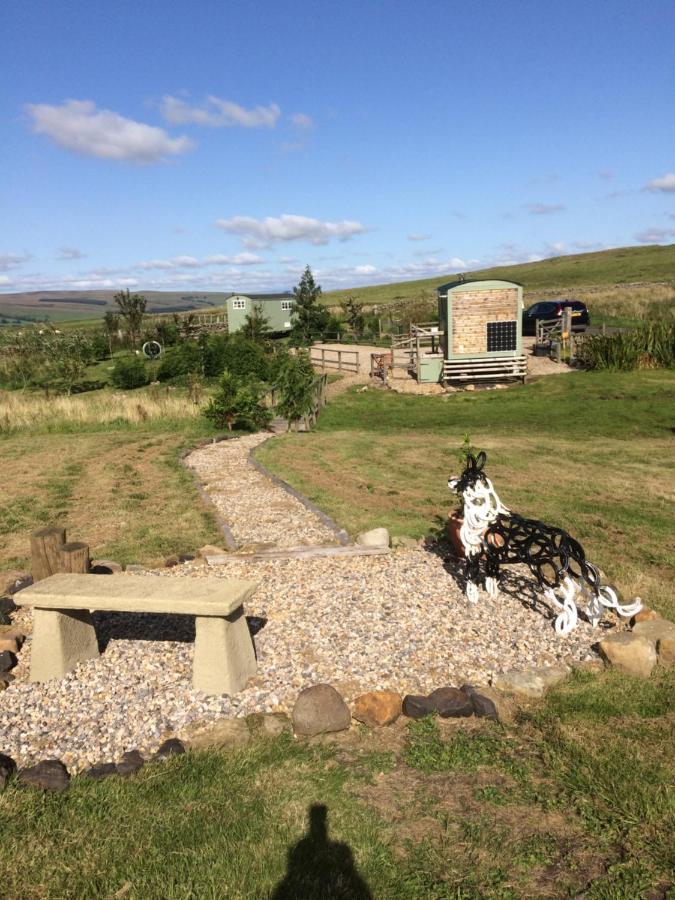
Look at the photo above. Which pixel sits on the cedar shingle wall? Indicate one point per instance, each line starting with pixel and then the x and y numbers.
pixel 472 310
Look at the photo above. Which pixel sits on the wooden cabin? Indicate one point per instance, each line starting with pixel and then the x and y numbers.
pixel 481 324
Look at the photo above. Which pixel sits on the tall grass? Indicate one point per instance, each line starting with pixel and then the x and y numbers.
pixel 651 346
pixel 19 411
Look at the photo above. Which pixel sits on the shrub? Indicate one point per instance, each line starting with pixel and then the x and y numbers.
pixel 183 359
pixel 245 359
pixel 214 355
pixel 129 373
pixel 238 404
pixel 296 387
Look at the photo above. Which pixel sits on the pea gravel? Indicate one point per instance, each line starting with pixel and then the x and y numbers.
pixel 398 621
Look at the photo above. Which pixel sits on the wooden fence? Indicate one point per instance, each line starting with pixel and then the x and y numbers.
pixel 340 360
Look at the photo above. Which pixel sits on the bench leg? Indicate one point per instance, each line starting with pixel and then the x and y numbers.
pixel 62 638
pixel 224 656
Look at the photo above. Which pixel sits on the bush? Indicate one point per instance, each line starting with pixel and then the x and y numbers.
pixel 238 404
pixel 129 373
pixel 296 387
pixel 183 359
pixel 246 359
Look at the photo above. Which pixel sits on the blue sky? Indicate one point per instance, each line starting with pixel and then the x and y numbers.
pixel 223 145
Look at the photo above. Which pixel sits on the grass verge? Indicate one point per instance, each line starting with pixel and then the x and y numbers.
pixel 576 799
pixel 590 452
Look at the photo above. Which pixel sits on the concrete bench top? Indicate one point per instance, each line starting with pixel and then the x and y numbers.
pixel 138 593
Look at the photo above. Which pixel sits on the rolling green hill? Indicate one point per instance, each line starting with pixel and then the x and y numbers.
pixel 625 265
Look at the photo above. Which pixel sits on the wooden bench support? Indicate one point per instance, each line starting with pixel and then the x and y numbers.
pixel 62 638
pixel 224 656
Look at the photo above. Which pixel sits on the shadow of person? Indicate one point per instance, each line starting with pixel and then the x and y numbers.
pixel 320 869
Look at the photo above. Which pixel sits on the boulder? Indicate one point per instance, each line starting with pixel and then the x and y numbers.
pixel 130 763
pixel 170 747
pixel 530 683
pixel 416 706
pixel 405 543
pixel 226 733
pixel 99 771
pixel 11 631
pixel 7 660
pixel 631 653
pixel 9 645
pixel 655 629
pixel 7 769
pixel 104 567
pixel 49 775
pixel 644 615
pixel 665 649
pixel 268 724
pixel 483 707
pixel 377 708
pixel 170 562
pixel 320 709
pixel 376 537
pixel 451 703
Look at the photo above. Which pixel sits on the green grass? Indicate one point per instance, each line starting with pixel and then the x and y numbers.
pixel 563 804
pixel 590 452
pixel 624 265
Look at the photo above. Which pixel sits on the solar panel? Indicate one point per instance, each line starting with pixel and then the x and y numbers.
pixel 501 336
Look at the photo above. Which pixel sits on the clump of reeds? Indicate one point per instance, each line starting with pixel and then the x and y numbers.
pixel 650 346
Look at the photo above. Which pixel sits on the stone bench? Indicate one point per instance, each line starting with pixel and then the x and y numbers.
pixel 63 632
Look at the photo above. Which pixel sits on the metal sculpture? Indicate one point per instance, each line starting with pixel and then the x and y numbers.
pixel 492 532
pixel 151 349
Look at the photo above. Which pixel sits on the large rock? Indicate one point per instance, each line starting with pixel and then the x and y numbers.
pixel 104 567
pixel 631 653
pixel 8 644
pixel 131 762
pixel 7 769
pixel 451 703
pixel 226 733
pixel 655 629
pixel 320 709
pixel 416 706
pixel 268 724
pixel 377 708
pixel 49 775
pixel 376 537
pixel 99 771
pixel 644 615
pixel 484 707
pixel 665 649
pixel 530 683
pixel 170 747
pixel 7 660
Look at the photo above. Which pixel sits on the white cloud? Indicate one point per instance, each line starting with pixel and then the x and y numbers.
pixel 665 184
pixel 302 121
pixel 78 125
pixel 543 209
pixel 191 262
pixel 12 261
pixel 419 237
pixel 70 253
pixel 214 112
pixel 365 270
pixel 655 235
pixel 256 233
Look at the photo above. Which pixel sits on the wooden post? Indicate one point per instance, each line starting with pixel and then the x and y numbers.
pixel 45 546
pixel 74 558
pixel 339 360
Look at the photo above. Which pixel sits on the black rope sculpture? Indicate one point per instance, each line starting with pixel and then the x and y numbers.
pixel 492 533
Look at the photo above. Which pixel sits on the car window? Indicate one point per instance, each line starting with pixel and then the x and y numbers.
pixel 577 304
pixel 533 310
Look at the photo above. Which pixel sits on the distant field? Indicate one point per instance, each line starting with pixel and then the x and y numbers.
pixel 69 306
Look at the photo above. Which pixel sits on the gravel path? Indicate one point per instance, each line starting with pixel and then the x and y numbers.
pixel 398 621
pixel 256 510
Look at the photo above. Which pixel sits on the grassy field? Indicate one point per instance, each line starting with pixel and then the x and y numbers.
pixel 591 452
pixel 624 265
pixel 576 800
pixel 105 465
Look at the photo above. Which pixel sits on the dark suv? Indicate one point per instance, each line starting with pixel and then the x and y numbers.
pixel 553 309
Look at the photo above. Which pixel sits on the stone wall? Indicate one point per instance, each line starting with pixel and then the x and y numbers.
pixel 472 310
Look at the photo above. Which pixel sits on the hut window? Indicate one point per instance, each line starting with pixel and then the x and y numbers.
pixel 287 304
pixel 238 304
pixel 501 336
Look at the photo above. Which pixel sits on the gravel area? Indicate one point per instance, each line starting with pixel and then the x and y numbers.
pixel 397 621
pixel 256 510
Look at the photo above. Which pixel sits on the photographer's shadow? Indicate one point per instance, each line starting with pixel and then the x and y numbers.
pixel 320 869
